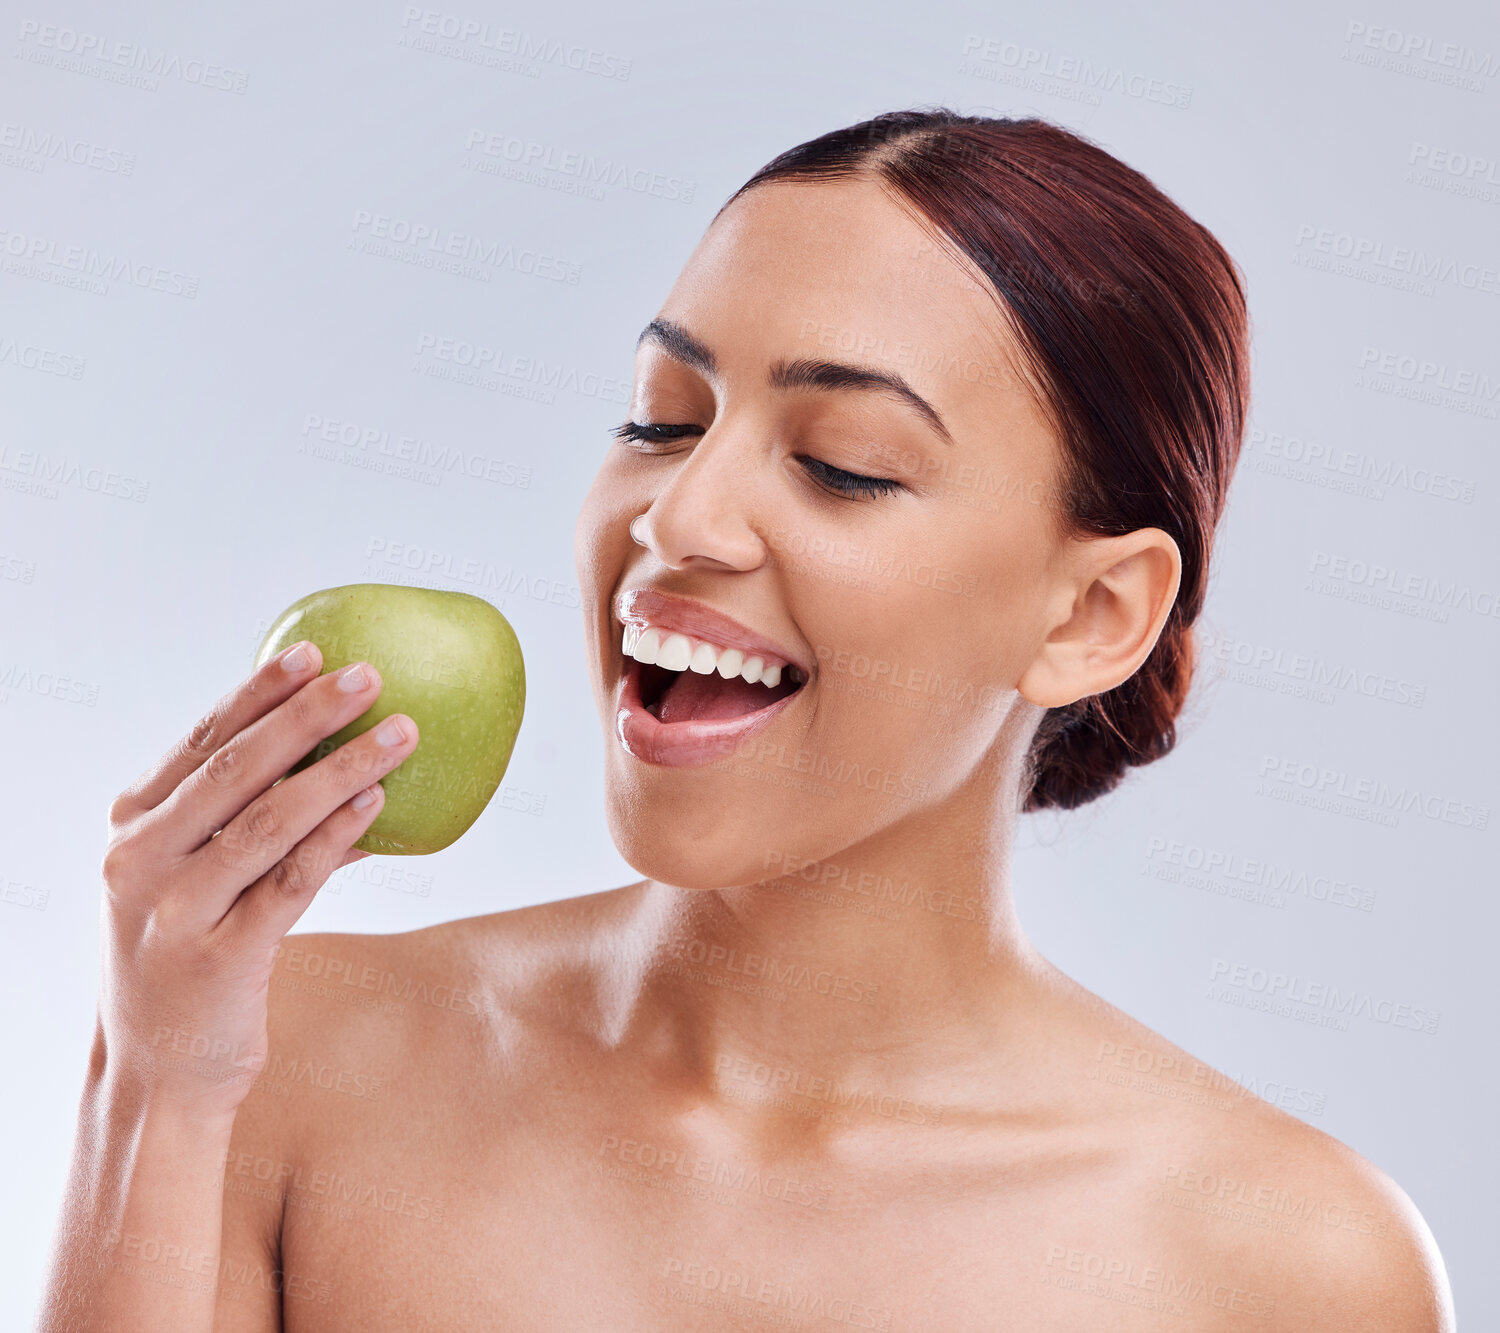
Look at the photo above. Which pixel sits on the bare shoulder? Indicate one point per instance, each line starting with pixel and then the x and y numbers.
pixel 1358 1254
pixel 363 1027
pixel 1257 1204
pixel 355 1011
pixel 365 1031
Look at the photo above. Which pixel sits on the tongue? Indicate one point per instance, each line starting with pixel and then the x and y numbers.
pixel 691 697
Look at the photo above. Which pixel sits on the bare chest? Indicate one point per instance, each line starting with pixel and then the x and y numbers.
pixel 562 1218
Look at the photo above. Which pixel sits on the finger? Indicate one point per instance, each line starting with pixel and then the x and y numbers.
pixel 261 916
pixel 248 763
pixel 263 833
pixel 268 686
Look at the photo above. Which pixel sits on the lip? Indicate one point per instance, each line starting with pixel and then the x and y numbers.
pixel 681 744
pixel 698 620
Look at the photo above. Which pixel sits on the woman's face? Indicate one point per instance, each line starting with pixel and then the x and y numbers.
pixel 916 611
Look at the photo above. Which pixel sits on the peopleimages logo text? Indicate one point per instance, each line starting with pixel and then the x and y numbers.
pixel 1285 989
pixel 1421 47
pixel 1450 595
pixel 1338 782
pixel 1399 259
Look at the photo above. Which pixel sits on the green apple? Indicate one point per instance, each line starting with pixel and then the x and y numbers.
pixel 448 660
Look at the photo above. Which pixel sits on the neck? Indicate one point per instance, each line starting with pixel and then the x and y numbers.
pixel 895 970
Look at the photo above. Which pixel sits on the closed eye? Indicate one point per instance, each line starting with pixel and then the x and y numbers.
pixel 652 433
pixel 853 485
pixel 848 483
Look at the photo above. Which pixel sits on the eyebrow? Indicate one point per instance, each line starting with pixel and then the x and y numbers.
pixel 804 373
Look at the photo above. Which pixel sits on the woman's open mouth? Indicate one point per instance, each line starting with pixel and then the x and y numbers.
pixel 685 717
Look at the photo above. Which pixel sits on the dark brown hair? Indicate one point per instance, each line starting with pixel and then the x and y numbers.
pixel 1133 323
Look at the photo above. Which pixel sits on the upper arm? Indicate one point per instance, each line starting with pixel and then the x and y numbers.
pixel 1401 1283
pixel 267 1210
pixel 1322 1237
pixel 1368 1264
pixel 261 1161
pixel 249 1299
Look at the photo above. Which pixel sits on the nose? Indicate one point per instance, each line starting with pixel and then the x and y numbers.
pixel 703 515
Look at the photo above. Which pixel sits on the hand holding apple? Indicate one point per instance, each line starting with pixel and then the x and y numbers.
pixel 451 662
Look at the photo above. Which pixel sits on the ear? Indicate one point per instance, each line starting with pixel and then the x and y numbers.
pixel 1109 614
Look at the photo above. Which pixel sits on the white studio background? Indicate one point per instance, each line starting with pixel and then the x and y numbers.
pixel 168 484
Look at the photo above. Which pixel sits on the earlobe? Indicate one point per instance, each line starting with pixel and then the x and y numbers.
pixel 1112 614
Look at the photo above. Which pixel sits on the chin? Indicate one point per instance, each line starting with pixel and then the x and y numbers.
pixel 715 848
pixel 724 843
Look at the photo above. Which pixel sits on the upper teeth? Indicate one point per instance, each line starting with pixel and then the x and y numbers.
pixel 679 652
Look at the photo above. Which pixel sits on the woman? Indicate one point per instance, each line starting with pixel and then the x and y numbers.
pixel 936 423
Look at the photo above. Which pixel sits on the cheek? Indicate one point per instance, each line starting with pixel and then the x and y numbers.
pixel 585 540
pixel 1002 566
pixel 918 667
pixel 891 685
pixel 602 556
pixel 601 532
pixel 588 540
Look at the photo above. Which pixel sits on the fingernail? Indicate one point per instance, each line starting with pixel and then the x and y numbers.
pixel 353 678
pixel 390 732
pixel 297 658
pixel 366 798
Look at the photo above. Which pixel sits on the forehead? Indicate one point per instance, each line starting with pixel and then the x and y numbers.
pixel 844 271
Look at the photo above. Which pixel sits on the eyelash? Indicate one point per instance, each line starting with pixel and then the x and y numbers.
pixel 852 485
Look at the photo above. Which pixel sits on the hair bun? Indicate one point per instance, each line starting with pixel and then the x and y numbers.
pixel 1082 751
